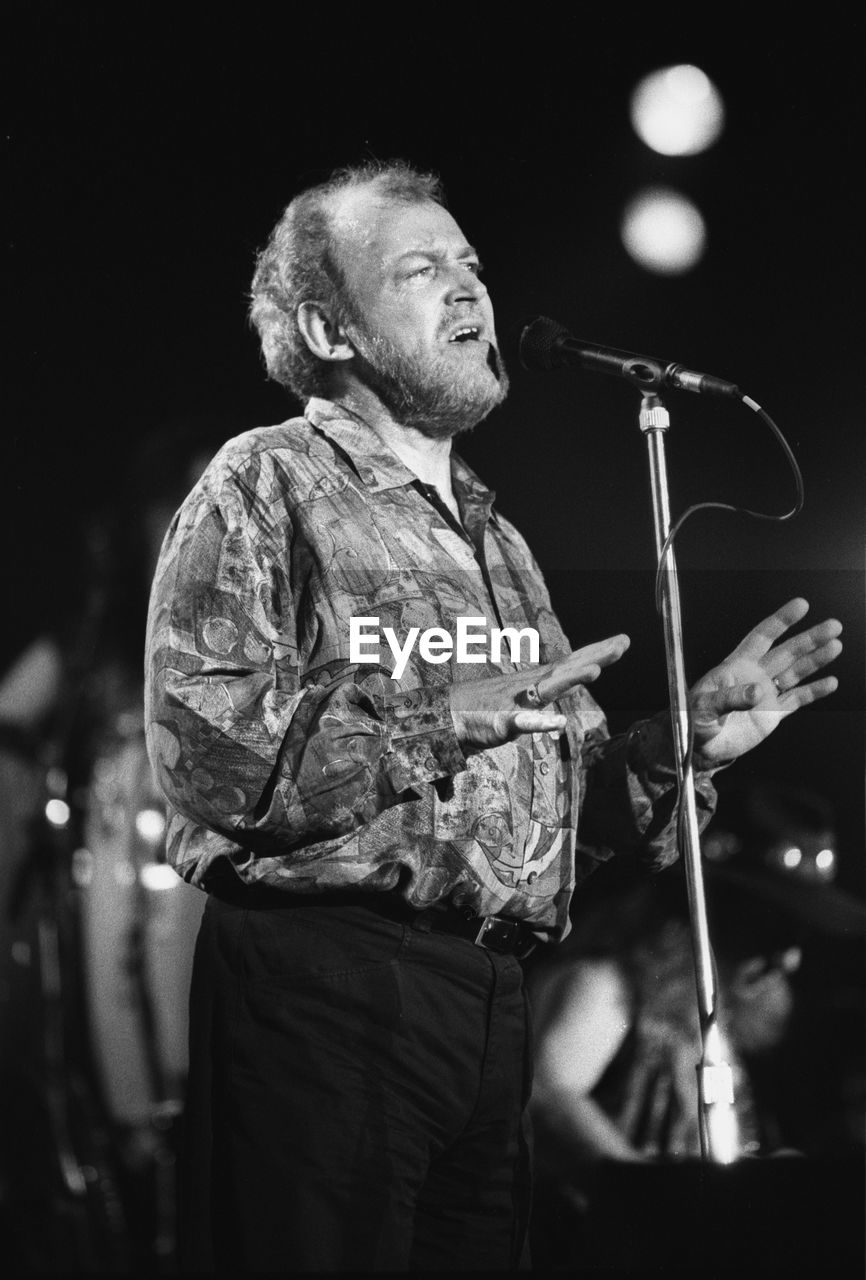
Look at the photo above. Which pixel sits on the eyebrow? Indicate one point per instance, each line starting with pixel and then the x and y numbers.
pixel 467 251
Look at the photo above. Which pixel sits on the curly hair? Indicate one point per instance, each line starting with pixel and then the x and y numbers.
pixel 300 264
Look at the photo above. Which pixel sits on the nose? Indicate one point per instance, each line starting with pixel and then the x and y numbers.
pixel 465 285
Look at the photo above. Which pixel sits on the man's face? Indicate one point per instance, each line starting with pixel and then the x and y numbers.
pixel 422 322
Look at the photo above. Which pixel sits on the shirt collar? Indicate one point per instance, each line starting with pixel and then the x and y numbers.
pixel 376 464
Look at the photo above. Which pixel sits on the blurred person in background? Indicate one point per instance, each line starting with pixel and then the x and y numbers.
pixel 616 1020
pixel 97 931
pixel 773 860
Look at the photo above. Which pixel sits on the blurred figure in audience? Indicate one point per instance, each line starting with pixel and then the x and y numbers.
pixel 772 854
pixel 93 1042
pixel 615 1012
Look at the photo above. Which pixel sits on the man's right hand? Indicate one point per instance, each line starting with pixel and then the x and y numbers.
pixel 489 712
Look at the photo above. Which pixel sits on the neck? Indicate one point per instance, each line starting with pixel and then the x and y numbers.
pixel 429 459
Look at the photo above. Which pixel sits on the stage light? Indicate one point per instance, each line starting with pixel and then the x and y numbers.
pixel 824 860
pixel 159 876
pixel 58 813
pixel 677 111
pixel 150 825
pixel 663 231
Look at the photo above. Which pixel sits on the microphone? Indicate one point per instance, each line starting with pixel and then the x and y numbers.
pixel 546 344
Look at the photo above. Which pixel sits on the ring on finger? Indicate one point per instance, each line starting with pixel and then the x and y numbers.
pixel 532 697
pixel 777 682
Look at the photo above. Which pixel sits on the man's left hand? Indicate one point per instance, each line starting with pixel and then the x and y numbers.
pixel 740 702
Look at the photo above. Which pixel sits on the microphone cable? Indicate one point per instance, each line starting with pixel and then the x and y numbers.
pixel 664 554
pixel 727 506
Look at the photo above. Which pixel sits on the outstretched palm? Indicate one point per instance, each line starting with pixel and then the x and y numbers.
pixel 740 702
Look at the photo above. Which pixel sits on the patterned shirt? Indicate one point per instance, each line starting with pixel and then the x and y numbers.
pixel 307 771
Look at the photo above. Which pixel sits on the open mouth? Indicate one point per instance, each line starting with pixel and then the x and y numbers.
pixel 468 333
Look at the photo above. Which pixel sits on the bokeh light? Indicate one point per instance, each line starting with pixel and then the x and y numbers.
pixel 677 111
pixel 663 231
pixel 150 825
pixel 57 812
pixel 159 876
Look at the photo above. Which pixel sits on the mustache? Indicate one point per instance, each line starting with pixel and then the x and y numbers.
pixel 419 388
pixel 495 359
pixel 469 316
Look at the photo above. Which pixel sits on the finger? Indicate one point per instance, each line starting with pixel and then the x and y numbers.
pixel 581 667
pixel 541 721
pixel 553 687
pixel 762 637
pixel 804 694
pixel 816 635
pixel 805 642
pixel 805 666
pixel 737 697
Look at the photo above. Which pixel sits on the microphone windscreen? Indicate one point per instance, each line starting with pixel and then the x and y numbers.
pixel 539 343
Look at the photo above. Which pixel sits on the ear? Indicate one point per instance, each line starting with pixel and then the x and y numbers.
pixel 324 338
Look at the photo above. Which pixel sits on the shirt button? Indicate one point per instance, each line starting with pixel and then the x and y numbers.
pixel 544 767
pixel 430 762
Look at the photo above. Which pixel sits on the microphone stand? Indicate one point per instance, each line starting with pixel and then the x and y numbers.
pixel 715 1079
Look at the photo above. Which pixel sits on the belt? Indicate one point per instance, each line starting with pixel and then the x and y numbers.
pixel 493 933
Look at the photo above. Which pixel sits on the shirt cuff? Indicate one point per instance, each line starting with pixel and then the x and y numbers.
pixel 651 757
pixel 424 746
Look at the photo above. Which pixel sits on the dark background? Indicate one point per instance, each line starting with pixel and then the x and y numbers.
pixel 151 148
pixel 149 151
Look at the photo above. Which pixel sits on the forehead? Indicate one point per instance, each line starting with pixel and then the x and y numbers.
pixel 373 232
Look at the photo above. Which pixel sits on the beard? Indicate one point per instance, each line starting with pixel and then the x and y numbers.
pixel 428 393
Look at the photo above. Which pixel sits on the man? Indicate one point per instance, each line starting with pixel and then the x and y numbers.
pixel 381 849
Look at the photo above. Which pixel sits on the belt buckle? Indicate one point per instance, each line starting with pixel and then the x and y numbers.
pixel 502 936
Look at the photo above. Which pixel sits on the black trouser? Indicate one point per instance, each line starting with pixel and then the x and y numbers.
pixel 356 1098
